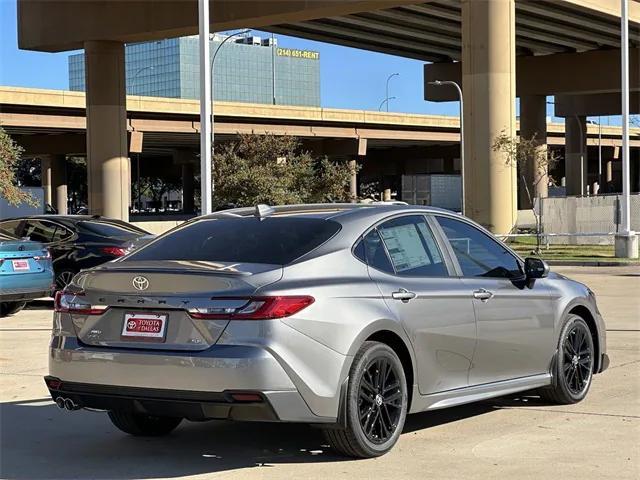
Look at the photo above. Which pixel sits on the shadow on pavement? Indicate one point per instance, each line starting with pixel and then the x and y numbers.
pixel 40 304
pixel 41 441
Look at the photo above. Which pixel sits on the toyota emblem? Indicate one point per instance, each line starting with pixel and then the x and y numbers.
pixel 140 283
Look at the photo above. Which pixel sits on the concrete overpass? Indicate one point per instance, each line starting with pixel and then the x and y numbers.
pixel 164 132
pixel 481 38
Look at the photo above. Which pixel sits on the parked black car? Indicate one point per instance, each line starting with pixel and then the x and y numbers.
pixel 77 242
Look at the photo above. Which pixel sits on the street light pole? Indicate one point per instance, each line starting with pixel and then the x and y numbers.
pixel 599 153
pixel 386 100
pixel 387 88
pixel 206 184
pixel 439 83
pixel 138 72
pixel 213 59
pixel 626 243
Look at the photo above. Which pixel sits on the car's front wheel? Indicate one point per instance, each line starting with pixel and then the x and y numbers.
pixel 375 406
pixel 142 425
pixel 9 308
pixel 573 368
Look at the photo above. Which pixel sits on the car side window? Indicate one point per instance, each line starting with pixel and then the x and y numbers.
pixel 40 231
pixel 11 226
pixel 374 252
pixel 412 247
pixel 478 254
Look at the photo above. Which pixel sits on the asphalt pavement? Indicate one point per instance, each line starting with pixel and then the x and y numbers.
pixel 510 437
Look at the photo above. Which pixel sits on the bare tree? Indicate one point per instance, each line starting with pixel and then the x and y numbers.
pixel 533 164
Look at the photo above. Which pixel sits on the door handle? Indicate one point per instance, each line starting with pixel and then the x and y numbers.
pixel 482 294
pixel 404 295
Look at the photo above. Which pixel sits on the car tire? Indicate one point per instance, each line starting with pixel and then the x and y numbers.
pixel 375 406
pixel 142 425
pixel 573 368
pixel 63 277
pixel 9 308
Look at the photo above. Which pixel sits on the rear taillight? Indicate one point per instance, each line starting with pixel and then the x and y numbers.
pixel 114 251
pixel 255 308
pixel 74 302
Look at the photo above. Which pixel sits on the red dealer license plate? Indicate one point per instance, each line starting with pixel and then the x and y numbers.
pixel 144 326
pixel 20 265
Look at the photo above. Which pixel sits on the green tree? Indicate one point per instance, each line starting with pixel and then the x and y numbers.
pixel 10 153
pixel 155 188
pixel 272 169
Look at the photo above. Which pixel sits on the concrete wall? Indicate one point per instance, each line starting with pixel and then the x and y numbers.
pixel 158 227
pixel 585 215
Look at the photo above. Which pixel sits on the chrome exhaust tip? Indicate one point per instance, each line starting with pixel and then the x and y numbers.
pixel 70 405
pixel 60 402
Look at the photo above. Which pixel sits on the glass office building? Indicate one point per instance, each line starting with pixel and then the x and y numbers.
pixel 245 70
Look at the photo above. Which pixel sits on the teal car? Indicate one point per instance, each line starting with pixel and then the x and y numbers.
pixel 25 272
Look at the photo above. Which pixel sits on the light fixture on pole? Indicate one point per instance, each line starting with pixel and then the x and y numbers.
pixel 626 242
pixel 206 180
pixel 213 125
pixel 439 83
pixel 387 98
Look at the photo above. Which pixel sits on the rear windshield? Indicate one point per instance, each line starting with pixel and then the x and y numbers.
pixel 274 240
pixel 112 229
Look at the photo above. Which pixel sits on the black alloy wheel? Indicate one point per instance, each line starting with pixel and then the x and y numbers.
pixel 380 400
pixel 572 371
pixel 375 404
pixel 577 364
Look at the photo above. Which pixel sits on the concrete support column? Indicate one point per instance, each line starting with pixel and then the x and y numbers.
pixel 488 84
pixel 575 156
pixel 187 187
pixel 353 181
pixel 54 181
pixel 107 155
pixel 45 178
pixel 533 122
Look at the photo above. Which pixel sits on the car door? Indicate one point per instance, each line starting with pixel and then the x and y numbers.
pixel 514 317
pixel 413 274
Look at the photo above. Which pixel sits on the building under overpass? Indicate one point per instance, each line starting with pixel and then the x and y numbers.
pixel 163 139
pixel 497 49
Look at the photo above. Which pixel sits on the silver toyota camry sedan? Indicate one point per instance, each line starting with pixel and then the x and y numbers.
pixel 347 317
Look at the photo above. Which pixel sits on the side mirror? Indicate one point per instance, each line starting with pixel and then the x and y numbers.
pixel 535 267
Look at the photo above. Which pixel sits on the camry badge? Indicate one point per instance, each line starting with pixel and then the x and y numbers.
pixel 140 283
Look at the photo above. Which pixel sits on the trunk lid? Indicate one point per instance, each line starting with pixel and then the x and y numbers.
pixel 164 292
pixel 22 257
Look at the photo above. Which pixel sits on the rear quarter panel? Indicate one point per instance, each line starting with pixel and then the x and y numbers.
pixel 348 308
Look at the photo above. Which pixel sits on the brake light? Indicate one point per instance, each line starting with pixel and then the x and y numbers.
pixel 115 251
pixel 72 302
pixel 256 308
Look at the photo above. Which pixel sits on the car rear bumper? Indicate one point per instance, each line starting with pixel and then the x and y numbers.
pixel 194 385
pixel 232 405
pixel 24 294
